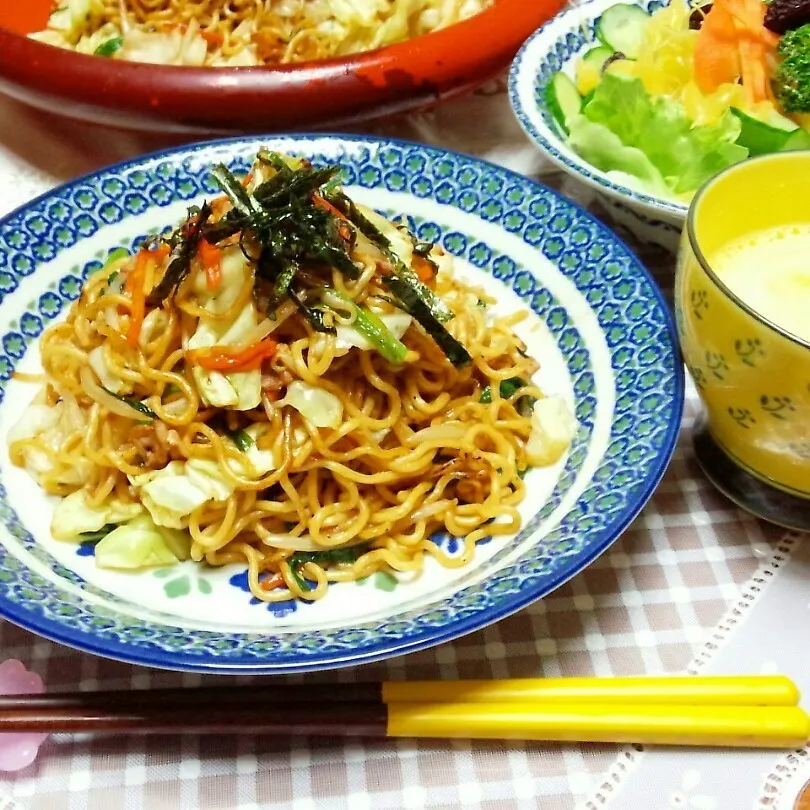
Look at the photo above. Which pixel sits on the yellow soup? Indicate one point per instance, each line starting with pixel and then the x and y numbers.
pixel 770 271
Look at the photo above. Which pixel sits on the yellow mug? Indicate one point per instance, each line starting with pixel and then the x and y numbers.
pixel 752 376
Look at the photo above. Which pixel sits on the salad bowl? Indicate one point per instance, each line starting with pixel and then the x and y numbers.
pixel 556 47
pixel 649 101
pixel 595 318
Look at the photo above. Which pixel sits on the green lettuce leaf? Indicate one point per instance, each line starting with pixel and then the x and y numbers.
pixel 597 145
pixel 685 156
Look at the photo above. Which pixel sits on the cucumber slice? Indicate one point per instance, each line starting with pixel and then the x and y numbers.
pixel 598 56
pixel 761 137
pixel 798 139
pixel 621 28
pixel 563 99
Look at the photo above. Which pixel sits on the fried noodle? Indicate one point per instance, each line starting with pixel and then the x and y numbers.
pixel 411 448
pixel 245 32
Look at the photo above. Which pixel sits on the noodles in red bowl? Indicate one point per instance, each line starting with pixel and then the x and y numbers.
pixel 275 82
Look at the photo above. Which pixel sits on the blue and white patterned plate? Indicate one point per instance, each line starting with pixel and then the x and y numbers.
pixel 596 322
pixel 554 47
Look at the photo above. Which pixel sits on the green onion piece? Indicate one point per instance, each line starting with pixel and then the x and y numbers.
pixel 337 556
pixel 333 186
pixel 109 47
pixel 481 303
pixel 285 278
pixel 136 404
pixel 508 388
pixel 511 386
pixel 271 159
pixel 116 256
pixel 302 583
pixel 242 440
pixel 437 308
pixel 372 328
pixel 415 306
pixel 95 537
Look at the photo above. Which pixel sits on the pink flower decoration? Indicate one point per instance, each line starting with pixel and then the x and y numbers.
pixel 18 751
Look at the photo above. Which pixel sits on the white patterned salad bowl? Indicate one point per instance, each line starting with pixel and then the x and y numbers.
pixel 597 322
pixel 557 46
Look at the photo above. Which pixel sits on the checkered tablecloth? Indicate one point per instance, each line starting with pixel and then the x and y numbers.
pixel 646 606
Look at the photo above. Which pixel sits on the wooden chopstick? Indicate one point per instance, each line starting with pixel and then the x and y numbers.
pixel 756 727
pixel 748 690
pixel 664 711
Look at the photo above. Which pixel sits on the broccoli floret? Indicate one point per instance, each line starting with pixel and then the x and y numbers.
pixel 793 74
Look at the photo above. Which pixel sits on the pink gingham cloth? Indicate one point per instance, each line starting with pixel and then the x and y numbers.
pixel 646 606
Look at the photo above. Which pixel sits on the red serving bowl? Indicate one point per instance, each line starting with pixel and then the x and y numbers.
pixel 401 77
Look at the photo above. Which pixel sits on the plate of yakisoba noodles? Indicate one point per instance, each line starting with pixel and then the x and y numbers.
pixel 293 403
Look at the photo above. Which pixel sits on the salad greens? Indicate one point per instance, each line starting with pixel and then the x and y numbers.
pixel 684 156
pixel 664 101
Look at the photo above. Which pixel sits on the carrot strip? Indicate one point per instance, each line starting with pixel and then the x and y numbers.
pixel 230 358
pixel 325 205
pixel 422 269
pixel 134 285
pixel 276 581
pixel 211 258
pixel 734 43
pixel 716 57
pixel 213 38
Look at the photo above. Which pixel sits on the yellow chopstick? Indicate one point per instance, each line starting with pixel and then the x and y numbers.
pixel 726 726
pixel 746 690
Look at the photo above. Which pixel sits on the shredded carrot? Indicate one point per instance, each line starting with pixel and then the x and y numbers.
pixel 325 205
pixel 232 358
pixel 248 180
pixel 276 581
pixel 161 251
pixel 211 258
pixel 214 38
pixel 134 286
pixel 733 44
pixel 423 269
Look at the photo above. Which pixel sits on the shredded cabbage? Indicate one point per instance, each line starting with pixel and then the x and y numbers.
pixel 317 405
pixel 553 429
pixel 74 516
pixel 51 429
pixel 141 544
pixel 241 391
pixel 173 493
